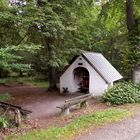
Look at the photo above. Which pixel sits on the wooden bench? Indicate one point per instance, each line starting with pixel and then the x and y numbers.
pixel 16 109
pixel 82 100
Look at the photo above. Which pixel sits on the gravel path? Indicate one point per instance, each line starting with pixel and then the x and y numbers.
pixel 125 130
pixel 137 137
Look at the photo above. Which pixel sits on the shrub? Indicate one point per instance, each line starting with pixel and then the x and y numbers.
pixel 122 93
pixel 137 86
pixel 3 122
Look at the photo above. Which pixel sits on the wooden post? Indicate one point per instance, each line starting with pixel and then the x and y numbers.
pixel 83 104
pixel 65 111
pixel 17 117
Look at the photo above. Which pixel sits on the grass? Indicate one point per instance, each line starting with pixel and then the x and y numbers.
pixel 76 127
pixel 3 119
pixel 5 96
pixel 37 83
pixel 24 80
pixel 3 122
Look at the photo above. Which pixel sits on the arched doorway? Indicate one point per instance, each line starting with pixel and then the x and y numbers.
pixel 81 79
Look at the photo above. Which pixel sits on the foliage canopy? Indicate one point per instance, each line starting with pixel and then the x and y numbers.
pixel 65 28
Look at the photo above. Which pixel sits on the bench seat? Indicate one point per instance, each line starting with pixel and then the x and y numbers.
pixel 82 100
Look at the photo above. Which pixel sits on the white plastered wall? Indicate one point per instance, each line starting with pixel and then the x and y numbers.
pixel 97 85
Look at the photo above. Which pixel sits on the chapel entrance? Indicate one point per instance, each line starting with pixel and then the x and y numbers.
pixel 81 79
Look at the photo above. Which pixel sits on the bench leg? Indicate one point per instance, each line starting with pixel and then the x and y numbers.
pixel 17 117
pixel 65 111
pixel 83 104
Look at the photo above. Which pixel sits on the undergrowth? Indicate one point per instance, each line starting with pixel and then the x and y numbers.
pixel 122 93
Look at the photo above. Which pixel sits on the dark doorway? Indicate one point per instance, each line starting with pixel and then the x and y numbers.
pixel 81 79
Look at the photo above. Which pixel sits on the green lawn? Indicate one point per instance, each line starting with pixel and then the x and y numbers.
pixel 76 127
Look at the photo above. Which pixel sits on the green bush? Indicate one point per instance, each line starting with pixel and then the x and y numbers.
pixel 3 122
pixel 123 93
pixel 137 86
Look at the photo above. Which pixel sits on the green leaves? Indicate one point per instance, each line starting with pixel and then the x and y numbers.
pixel 123 93
pixel 67 27
pixel 12 59
pixel 4 4
pixel 3 122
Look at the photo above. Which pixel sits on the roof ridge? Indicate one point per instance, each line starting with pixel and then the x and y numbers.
pixel 91 52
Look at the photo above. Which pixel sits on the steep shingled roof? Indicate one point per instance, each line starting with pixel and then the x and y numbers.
pixel 102 66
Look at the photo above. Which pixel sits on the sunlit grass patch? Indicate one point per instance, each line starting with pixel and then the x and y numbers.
pixel 38 83
pixel 24 80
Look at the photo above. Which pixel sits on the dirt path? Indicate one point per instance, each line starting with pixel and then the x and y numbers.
pixel 124 130
pixel 38 100
pixel 43 104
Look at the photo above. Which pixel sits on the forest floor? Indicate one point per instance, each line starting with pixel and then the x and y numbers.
pixel 37 100
pixel 45 114
pixel 43 103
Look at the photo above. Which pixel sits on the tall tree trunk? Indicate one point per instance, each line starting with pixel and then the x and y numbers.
pixel 52 79
pixel 130 21
pixel 132 24
pixel 49 53
pixel 51 69
pixel 20 73
pixel 133 32
pixel 3 73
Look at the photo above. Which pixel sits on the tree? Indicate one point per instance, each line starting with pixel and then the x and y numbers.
pixel 133 35
pixel 13 61
pixel 12 47
pixel 118 36
pixel 66 28
pixel 54 22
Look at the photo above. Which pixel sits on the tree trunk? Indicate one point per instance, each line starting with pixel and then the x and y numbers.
pixel 49 53
pixel 132 24
pixel 20 73
pixel 130 21
pixel 3 73
pixel 52 79
pixel 133 32
pixel 51 69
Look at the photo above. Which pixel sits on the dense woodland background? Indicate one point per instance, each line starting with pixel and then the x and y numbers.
pixel 39 37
